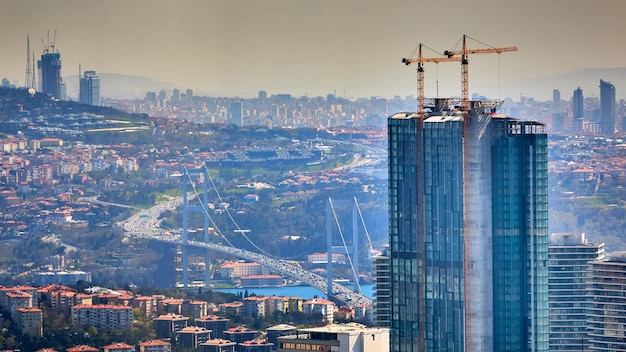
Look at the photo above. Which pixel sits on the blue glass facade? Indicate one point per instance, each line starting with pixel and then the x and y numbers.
pixel 50 74
pixel 407 289
pixel 89 92
pixel 435 282
pixel 520 236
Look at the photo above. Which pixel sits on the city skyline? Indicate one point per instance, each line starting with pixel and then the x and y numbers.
pixel 352 48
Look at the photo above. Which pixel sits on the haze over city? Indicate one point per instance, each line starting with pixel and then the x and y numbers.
pixel 350 47
pixel 249 176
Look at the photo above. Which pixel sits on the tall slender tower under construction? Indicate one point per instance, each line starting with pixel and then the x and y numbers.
pixel 468 226
pixel 50 71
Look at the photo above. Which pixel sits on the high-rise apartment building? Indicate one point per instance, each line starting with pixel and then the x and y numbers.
pixel 607 107
pixel 236 113
pixel 382 289
pixel 468 225
pixel 607 311
pixel 90 88
pixel 569 289
pixel 578 109
pixel 175 96
pixel 50 73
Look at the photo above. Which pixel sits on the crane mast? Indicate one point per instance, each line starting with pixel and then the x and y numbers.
pixel 465 65
pixel 420 74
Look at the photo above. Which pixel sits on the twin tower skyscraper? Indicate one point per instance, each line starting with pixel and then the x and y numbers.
pixel 468 220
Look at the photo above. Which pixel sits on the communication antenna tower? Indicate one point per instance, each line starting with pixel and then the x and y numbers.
pixel 28 79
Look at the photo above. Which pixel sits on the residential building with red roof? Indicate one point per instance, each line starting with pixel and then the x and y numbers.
pixel 155 346
pixel 29 321
pixel 194 308
pixel 215 323
pixel 262 281
pixel 255 306
pixel 237 269
pixel 147 305
pixel 234 308
pixel 254 346
pixel 240 334
pixel 320 306
pixel 82 348
pixel 167 325
pixel 218 345
pixel 118 347
pixel 192 336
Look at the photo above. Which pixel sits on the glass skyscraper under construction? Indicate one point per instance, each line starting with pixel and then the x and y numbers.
pixel 50 73
pixel 468 225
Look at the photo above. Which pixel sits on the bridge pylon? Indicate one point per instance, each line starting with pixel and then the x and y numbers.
pixel 351 253
pixel 188 177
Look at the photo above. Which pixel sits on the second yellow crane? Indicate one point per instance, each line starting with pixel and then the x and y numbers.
pixel 449 56
pixel 420 74
pixel 464 64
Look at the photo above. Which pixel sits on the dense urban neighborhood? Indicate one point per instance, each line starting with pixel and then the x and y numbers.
pixel 72 177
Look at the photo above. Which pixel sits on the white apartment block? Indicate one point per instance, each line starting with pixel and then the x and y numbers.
pixel 320 306
pixel 105 317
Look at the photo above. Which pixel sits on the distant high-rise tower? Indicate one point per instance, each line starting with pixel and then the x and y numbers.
pixel 607 107
pixel 569 289
pixel 556 96
pixel 578 109
pixel 50 71
pixel 175 96
pixel 468 227
pixel 162 99
pixel 189 95
pixel 90 88
pixel 236 113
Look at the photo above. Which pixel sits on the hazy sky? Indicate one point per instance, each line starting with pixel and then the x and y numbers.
pixel 237 47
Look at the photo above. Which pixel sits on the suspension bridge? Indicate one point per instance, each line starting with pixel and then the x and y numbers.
pixel 145 224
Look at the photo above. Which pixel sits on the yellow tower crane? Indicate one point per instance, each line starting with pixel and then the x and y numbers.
pixel 420 73
pixel 464 64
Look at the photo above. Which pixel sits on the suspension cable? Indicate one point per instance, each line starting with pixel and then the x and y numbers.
pixel 369 239
pixel 239 230
pixel 345 246
pixel 205 210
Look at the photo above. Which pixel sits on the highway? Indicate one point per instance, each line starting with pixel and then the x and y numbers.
pixel 145 224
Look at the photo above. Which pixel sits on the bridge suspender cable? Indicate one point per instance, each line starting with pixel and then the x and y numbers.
pixel 345 246
pixel 205 210
pixel 363 222
pixel 239 230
